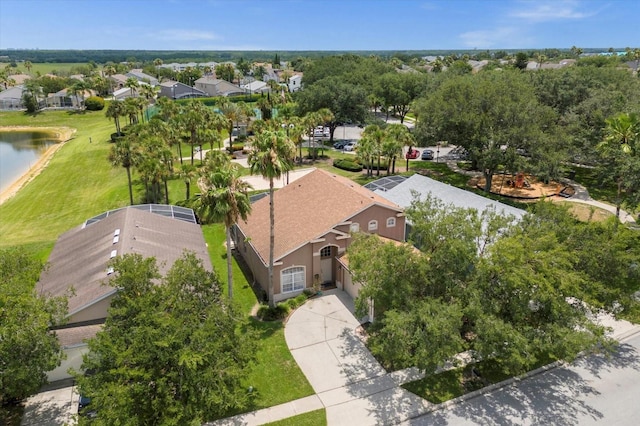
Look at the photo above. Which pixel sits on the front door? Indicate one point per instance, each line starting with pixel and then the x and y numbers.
pixel 326 265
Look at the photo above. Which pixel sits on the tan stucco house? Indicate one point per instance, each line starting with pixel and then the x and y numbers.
pixel 315 217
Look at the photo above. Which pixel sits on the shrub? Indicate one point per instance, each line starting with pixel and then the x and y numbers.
pixel 266 313
pixel 116 136
pixel 94 103
pixel 349 165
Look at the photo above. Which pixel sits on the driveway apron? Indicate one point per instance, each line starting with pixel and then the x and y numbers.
pixel 351 384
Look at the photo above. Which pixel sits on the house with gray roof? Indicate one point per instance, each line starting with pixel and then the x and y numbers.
pixel 142 77
pixel 176 90
pixel 11 99
pixel 215 87
pixel 401 192
pixel 256 86
pixel 79 265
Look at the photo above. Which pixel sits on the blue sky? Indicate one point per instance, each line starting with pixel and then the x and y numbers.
pixel 318 25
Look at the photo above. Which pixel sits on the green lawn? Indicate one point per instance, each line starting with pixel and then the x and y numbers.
pixel 438 388
pixel 312 418
pixel 44 67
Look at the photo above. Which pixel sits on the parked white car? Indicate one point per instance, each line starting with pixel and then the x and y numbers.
pixel 351 146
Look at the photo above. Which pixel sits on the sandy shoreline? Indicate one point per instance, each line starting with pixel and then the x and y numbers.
pixel 61 134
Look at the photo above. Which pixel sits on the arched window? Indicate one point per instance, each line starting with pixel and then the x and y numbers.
pixel 325 252
pixel 355 227
pixel 292 279
pixel 373 225
pixel 391 222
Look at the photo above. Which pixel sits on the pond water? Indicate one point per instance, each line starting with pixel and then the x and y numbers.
pixel 19 151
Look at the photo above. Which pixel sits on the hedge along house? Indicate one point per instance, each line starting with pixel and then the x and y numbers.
pixel 314 219
pixel 79 265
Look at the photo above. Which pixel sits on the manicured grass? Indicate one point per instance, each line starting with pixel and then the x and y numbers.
pixel 77 184
pixel 243 295
pixel 275 376
pixel 44 67
pixel 438 388
pixel 312 418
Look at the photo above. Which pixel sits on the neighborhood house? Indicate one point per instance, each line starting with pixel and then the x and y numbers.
pixel 314 219
pixel 79 265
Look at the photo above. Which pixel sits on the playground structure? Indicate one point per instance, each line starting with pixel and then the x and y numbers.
pixel 523 186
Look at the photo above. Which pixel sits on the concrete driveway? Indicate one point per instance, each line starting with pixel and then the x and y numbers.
pixel 352 386
pixel 52 407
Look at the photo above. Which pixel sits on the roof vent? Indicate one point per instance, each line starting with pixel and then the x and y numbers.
pixel 116 232
pixel 114 253
pixel 116 239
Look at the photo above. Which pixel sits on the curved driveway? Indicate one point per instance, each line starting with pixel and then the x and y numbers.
pixel 350 383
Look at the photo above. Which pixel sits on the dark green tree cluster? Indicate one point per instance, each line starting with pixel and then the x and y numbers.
pixel 28 348
pixel 517 294
pixel 171 351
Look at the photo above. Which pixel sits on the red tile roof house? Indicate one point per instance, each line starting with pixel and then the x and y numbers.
pixel 80 260
pixel 314 218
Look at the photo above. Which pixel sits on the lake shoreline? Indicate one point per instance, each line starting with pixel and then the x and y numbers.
pixel 58 134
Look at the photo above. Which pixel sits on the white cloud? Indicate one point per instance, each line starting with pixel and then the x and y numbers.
pixel 541 11
pixel 488 39
pixel 184 35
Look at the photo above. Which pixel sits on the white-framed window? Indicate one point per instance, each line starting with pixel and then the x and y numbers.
pixel 355 227
pixel 391 222
pixel 373 225
pixel 325 251
pixel 292 279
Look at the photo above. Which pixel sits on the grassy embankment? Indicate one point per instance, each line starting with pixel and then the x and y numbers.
pixel 79 183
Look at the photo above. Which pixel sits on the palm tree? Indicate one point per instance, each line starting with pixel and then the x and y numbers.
pixel 109 71
pixel 78 88
pixel 115 110
pixel 123 154
pixel 148 93
pixel 194 119
pixel 131 108
pixel 621 142
pixel 377 135
pixel 402 136
pixel 224 196
pixel 310 121
pixel 326 117
pixel 366 152
pixel 5 79
pixel 133 84
pixel 391 148
pixel 271 157
pixel 234 114
pixel 187 172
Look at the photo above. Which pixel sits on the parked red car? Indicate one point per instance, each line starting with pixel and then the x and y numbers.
pixel 412 154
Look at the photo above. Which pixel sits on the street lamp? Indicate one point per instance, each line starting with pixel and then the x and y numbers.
pixel 438 152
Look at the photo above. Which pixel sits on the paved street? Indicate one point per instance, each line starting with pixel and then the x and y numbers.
pixel 593 390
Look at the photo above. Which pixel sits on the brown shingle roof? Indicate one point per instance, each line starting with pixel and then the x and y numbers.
pixel 80 257
pixel 307 209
